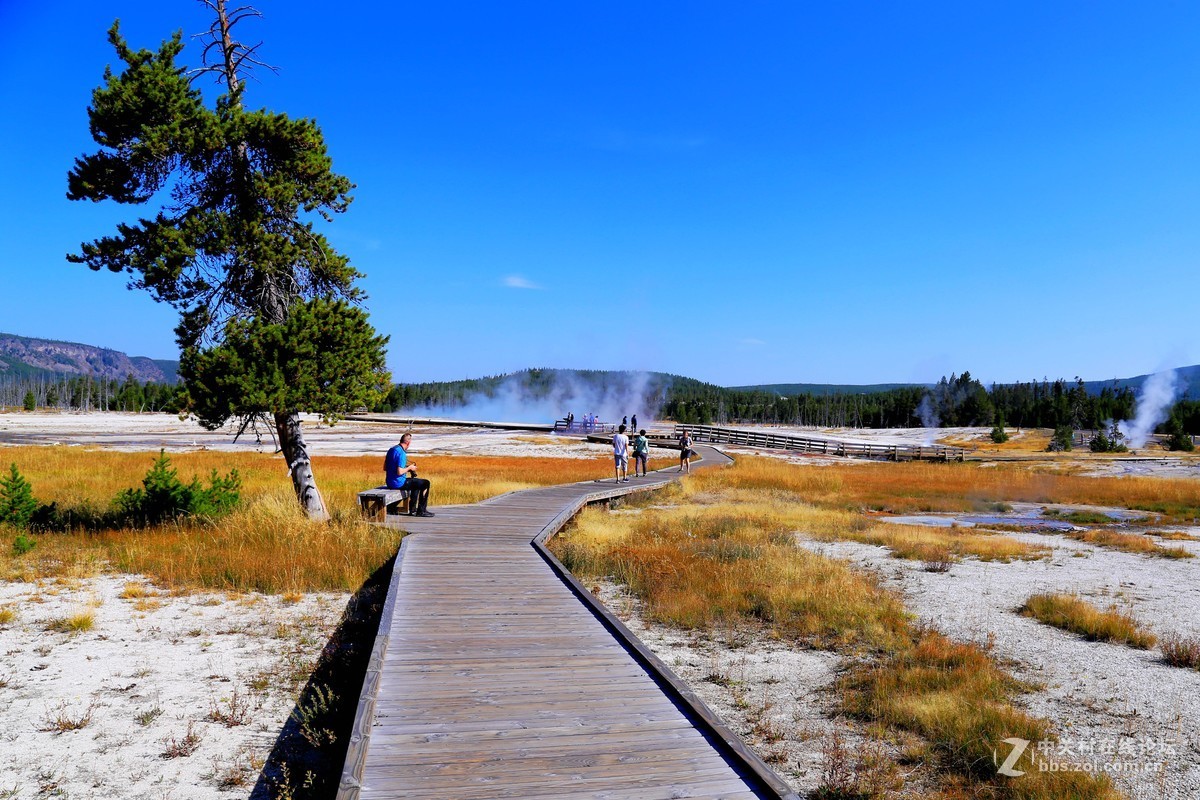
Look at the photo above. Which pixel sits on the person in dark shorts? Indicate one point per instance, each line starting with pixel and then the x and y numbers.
pixel 685 452
pixel 400 474
pixel 641 450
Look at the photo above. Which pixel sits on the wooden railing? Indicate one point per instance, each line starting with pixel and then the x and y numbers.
pixel 810 444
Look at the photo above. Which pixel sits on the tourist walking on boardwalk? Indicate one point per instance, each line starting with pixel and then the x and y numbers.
pixel 400 474
pixel 634 420
pixel 685 453
pixel 641 449
pixel 620 443
pixel 625 420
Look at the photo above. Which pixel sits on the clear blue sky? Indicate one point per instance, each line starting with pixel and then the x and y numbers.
pixel 738 192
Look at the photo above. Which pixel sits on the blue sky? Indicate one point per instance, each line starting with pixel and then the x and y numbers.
pixel 741 193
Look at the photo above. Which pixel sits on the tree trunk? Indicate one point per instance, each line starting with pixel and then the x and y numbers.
pixel 295 452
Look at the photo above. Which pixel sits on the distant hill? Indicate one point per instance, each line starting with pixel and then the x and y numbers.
pixel 1189 378
pixel 22 356
pixel 823 389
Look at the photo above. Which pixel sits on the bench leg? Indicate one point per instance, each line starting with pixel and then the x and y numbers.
pixel 401 506
pixel 374 509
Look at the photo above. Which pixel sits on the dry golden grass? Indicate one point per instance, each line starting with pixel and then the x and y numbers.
pixel 74 623
pixel 135 590
pixel 700 567
pixel 922 543
pixel 1073 613
pixel 917 486
pixel 1181 651
pixel 725 555
pixel 1129 543
pixel 1175 536
pixel 959 701
pixel 267 545
pixel 7 615
pixel 1029 440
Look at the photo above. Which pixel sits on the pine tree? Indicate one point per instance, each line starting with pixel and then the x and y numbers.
pixel 231 246
pixel 17 505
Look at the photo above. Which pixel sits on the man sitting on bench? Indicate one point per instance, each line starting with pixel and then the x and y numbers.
pixel 403 475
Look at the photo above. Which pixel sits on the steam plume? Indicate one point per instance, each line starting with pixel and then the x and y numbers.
pixel 1153 404
pixel 520 398
pixel 929 418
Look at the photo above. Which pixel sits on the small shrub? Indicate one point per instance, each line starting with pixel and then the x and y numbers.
pixel 144 718
pixel 165 498
pixel 1109 440
pixel 313 716
pixel 7 615
pixel 1181 651
pixel 17 505
pixel 999 435
pixel 235 711
pixel 30 402
pixel 22 544
pixel 1062 440
pixel 1178 440
pixel 62 720
pixel 183 746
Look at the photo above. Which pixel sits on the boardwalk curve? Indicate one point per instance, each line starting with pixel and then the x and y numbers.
pixel 495 674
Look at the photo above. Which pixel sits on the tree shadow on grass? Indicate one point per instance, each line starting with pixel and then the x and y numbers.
pixel 306 760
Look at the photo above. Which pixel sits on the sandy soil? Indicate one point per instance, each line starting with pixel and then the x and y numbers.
pixel 1098 694
pixel 170 697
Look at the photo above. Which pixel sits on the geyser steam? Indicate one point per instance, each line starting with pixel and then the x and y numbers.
pixel 1154 402
pixel 547 395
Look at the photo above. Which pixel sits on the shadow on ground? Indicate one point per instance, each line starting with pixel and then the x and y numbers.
pixel 306 760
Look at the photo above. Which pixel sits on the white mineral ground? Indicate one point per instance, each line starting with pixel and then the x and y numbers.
pixel 149 669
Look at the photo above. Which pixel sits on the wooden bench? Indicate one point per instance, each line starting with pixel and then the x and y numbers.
pixel 377 503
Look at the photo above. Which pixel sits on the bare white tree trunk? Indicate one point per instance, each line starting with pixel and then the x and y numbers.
pixel 295 452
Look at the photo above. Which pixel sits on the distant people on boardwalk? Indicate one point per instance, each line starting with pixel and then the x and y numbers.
pixel 625 421
pixel 641 450
pixel 685 452
pixel 620 443
pixel 634 418
pixel 400 474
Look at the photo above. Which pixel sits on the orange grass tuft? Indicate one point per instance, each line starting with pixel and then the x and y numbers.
pixel 922 487
pixel 1073 613
pixel 1130 543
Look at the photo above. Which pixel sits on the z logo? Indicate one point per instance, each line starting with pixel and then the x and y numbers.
pixel 1018 750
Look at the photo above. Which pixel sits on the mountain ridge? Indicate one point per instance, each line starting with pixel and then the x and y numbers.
pixel 31 356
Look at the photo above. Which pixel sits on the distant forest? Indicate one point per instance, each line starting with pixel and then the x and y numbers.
pixel 959 400
pixel 86 393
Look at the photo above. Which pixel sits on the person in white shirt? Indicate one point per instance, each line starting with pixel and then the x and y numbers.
pixel 620 444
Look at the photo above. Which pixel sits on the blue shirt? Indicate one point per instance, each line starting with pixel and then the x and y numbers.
pixel 395 461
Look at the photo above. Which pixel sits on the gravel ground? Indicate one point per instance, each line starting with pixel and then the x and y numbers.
pixel 777 699
pixel 170 697
pixel 1100 696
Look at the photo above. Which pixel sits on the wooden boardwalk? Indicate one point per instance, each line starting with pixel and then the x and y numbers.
pixel 495 674
pixel 746 437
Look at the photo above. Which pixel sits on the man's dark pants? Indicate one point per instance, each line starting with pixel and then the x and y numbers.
pixel 418 494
